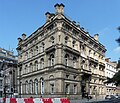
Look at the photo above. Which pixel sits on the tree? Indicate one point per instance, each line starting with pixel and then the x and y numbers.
pixel 118 40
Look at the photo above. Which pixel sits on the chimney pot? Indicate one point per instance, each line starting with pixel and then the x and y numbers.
pixel 23 36
pixel 96 36
pixel 47 16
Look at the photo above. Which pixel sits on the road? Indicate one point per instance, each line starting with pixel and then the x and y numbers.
pixel 93 101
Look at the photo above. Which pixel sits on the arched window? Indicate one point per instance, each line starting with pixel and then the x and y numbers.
pixel 25 69
pixel 26 55
pixel 42 47
pixel 36 86
pixel 66 40
pixel 42 85
pixel 20 87
pixel 42 63
pixel 36 65
pixel 51 59
pixel 31 86
pixel 31 53
pixel 73 43
pixel 26 87
pixel 67 88
pixel 75 88
pixel 36 50
pixel 31 67
pixel 52 39
pixel 52 84
pixel 74 61
pixel 66 59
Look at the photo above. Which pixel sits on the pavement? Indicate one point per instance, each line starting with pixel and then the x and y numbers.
pixel 95 101
pixel 84 101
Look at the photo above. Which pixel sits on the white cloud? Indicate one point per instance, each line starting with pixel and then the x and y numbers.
pixel 117 49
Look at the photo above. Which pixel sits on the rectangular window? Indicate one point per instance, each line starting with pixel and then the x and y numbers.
pixel 67 88
pixel 51 88
pixel 75 89
pixel 1 84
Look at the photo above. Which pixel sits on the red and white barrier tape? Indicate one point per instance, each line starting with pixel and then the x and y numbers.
pixel 34 100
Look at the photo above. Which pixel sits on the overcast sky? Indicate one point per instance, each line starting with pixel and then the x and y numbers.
pixel 96 16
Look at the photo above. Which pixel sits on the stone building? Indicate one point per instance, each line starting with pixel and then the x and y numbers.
pixel 110 71
pixel 8 73
pixel 60 59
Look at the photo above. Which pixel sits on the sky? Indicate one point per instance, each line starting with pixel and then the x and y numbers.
pixel 96 16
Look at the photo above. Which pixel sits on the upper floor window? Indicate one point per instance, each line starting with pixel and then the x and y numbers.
pixel 36 50
pixel 73 43
pixel 26 55
pixel 66 40
pixel 52 40
pixel 66 59
pixel 31 67
pixel 51 60
pixel 31 53
pixel 42 47
pixel 25 69
pixel 42 63
pixel 74 61
pixel 90 52
pixel 36 65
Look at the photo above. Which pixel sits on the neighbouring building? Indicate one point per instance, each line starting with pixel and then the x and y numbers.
pixel 1 79
pixel 8 73
pixel 61 59
pixel 110 71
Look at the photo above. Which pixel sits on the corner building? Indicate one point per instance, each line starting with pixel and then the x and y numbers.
pixel 60 59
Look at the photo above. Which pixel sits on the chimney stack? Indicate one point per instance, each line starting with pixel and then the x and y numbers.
pixel 59 8
pixel 107 59
pixel 47 16
pixel 23 36
pixel 19 41
pixel 96 36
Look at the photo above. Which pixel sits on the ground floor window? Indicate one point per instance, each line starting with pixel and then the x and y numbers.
pixel 52 88
pixel 67 88
pixel 42 85
pixel 36 86
pixel 75 89
pixel 0 93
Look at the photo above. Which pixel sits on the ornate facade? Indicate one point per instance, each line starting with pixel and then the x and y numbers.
pixel 60 59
